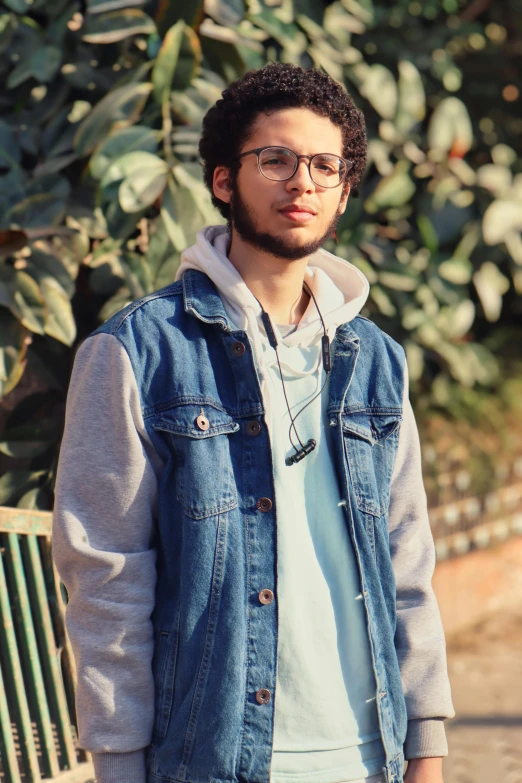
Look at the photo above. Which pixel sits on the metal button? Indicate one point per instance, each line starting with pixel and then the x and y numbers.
pixel 263 696
pixel 264 504
pixel 266 596
pixel 202 422
pixel 238 348
pixel 253 428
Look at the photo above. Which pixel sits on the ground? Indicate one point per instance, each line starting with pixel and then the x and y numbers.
pixel 485 738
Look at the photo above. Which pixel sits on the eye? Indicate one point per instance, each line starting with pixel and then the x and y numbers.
pixel 327 165
pixel 276 158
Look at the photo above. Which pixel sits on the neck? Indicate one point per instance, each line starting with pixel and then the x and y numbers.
pixel 276 282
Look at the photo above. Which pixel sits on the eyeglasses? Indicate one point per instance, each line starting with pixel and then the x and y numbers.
pixel 280 163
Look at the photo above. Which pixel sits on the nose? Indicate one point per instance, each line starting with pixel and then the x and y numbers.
pixel 301 180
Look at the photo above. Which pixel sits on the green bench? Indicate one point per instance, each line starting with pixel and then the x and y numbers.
pixel 38 737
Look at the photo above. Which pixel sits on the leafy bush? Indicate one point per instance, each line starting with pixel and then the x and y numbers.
pixel 101 189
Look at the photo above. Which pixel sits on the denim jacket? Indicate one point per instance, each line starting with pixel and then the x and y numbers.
pixel 215 676
pixel 214 664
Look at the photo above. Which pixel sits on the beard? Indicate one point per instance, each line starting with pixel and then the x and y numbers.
pixel 243 221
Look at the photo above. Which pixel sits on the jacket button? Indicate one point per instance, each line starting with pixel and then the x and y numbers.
pixel 202 422
pixel 263 696
pixel 264 504
pixel 253 428
pixel 266 596
pixel 238 348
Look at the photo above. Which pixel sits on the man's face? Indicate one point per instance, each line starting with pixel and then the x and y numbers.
pixel 261 208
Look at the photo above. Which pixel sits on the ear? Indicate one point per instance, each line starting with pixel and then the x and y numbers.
pixel 221 184
pixel 344 199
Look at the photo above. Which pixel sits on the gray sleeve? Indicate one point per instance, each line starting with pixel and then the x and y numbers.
pixel 103 525
pixel 419 638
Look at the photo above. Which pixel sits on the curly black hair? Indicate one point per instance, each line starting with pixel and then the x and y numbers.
pixel 229 123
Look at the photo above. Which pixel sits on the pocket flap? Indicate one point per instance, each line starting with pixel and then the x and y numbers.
pixel 181 420
pixel 370 426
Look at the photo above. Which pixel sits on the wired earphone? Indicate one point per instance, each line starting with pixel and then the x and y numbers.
pixel 310 445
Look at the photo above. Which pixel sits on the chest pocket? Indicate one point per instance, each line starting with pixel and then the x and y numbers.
pixel 204 477
pixel 370 444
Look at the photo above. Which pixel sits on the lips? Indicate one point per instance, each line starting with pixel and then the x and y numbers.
pixel 298 208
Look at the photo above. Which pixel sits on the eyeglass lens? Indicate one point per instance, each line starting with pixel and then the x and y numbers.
pixel 278 163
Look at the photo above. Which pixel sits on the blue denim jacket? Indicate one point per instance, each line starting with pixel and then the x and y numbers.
pixel 214 664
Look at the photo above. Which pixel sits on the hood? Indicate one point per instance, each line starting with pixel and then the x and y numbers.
pixel 338 286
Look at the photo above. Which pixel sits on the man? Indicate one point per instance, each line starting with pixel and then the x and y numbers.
pixel 240 517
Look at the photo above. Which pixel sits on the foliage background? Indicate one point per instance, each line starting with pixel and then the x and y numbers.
pixel 101 189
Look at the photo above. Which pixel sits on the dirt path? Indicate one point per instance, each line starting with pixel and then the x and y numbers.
pixel 485 738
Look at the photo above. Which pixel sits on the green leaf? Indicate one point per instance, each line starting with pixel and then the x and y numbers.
pixel 226 12
pixel 120 224
pixel 383 301
pixel 189 177
pixel 411 108
pixel 115 304
pixel 26 441
pixel 498 179
pixel 502 217
pixel 18 6
pixel 119 109
pixel 225 58
pixel 136 138
pixel 107 278
pixel 491 285
pixel 13 349
pixel 167 271
pixel 456 321
pixel 170 216
pixel 36 499
pixel 137 274
pixel 130 163
pixel 39 210
pixel 456 270
pixel 380 89
pixel 166 61
pixel 15 483
pixel 193 103
pixel 102 6
pixel 27 302
pixel 141 189
pixel 20 73
pixel 429 235
pixel 393 190
pixel 42 265
pixel 45 63
pixel 399 281
pixel 415 359
pixel 59 318
pixel 10 152
pixel 190 12
pixel 450 128
pixel 117 25
pixel 8 27
pixel 189 59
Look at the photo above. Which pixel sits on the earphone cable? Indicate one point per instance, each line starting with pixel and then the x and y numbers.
pixel 273 342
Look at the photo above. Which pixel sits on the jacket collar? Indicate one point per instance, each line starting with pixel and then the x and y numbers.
pixel 201 298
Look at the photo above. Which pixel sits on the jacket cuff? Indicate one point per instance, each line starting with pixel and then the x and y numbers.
pixel 119 767
pixel 425 739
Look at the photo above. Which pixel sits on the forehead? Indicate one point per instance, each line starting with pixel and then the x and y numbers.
pixel 302 130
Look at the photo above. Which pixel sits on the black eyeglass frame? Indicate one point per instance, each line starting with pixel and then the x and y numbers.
pixel 348 163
